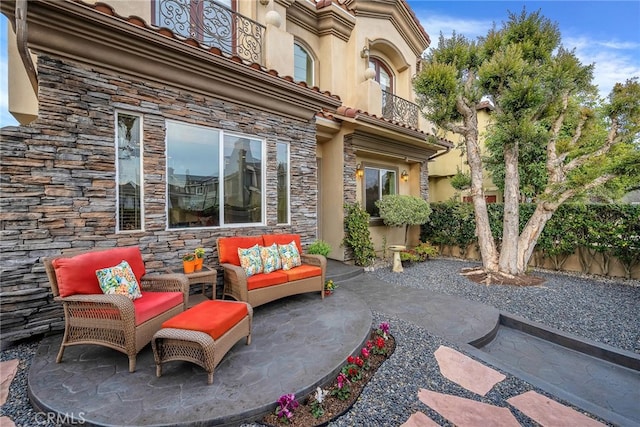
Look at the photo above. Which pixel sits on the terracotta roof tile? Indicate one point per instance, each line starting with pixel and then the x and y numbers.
pixel 107 9
pixel 417 21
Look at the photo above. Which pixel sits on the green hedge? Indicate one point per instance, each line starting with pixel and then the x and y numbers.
pixel 608 230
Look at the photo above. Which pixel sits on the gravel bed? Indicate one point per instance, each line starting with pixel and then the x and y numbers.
pixel 603 310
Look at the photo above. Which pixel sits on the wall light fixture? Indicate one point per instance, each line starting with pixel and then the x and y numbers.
pixel 359 170
pixel 404 175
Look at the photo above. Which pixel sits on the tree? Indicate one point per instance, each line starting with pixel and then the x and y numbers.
pixel 551 139
pixel 399 210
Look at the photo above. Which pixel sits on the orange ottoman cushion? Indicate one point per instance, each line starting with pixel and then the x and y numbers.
pixel 214 318
pixel 302 272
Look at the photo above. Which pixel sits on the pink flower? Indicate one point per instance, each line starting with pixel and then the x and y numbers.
pixel 365 352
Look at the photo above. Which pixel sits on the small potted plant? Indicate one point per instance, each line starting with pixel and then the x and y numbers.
pixel 329 287
pixel 199 253
pixel 189 262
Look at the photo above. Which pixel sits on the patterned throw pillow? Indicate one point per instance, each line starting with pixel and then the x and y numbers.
pixel 250 260
pixel 120 280
pixel 289 256
pixel 270 258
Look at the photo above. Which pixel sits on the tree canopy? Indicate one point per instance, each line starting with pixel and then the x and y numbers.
pixel 551 139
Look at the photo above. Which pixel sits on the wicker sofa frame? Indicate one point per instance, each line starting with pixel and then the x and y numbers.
pixel 109 320
pixel 235 282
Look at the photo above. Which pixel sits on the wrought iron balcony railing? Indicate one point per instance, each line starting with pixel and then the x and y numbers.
pixel 214 25
pixel 399 109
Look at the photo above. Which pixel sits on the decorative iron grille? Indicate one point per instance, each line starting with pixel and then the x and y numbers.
pixel 213 25
pixel 399 109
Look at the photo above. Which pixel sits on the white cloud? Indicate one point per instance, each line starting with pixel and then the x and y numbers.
pixel 614 61
pixel 470 28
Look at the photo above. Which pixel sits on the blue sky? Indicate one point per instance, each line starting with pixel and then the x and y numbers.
pixel 605 33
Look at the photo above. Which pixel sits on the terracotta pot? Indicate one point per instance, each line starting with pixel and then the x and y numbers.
pixel 328 292
pixel 189 266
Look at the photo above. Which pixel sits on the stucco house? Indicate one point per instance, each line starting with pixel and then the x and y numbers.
pixel 169 123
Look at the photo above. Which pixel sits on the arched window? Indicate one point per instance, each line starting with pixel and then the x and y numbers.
pixel 383 74
pixel 302 65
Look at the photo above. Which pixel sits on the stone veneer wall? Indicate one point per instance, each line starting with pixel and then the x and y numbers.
pixel 58 187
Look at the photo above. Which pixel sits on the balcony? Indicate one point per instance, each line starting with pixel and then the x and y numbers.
pixel 399 109
pixel 213 25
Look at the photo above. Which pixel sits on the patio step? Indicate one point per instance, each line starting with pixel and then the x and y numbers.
pixel 341 272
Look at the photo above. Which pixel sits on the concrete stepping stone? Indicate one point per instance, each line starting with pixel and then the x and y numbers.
pixel 469 373
pixel 8 370
pixel 466 412
pixel 548 412
pixel 419 419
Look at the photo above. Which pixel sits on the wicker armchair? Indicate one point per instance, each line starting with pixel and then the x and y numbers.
pixel 92 317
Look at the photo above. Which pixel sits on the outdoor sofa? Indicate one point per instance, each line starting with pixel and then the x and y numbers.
pixel 264 286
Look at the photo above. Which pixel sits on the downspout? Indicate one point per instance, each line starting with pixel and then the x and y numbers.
pixel 21 37
pixel 441 153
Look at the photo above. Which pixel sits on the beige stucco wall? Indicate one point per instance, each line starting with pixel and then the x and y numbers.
pixel 22 99
pixel 447 165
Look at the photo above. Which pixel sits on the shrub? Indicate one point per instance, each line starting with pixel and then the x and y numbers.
pixel 319 247
pixel 401 211
pixel 357 236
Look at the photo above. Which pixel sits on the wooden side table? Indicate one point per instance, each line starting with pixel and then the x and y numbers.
pixel 208 274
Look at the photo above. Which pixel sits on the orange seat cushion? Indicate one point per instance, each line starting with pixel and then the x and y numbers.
pixel 263 280
pixel 228 247
pixel 214 318
pixel 303 272
pixel 282 239
pixel 77 275
pixel 152 304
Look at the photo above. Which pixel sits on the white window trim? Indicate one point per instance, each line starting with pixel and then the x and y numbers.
pixel 221 133
pixel 117 164
pixel 288 182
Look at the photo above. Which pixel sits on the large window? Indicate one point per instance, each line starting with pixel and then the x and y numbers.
pixel 198 158
pixel 378 182
pixel 302 65
pixel 129 171
pixel 283 182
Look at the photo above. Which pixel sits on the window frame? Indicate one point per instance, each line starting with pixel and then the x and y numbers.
pixel 376 220
pixel 311 58
pixel 288 183
pixel 222 133
pixel 118 168
pixel 378 64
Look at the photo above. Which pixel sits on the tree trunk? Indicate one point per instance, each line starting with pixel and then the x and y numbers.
pixel 486 244
pixel 531 233
pixel 510 225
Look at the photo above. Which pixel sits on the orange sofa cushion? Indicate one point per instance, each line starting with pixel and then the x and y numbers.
pixel 152 304
pixel 263 280
pixel 282 239
pixel 302 272
pixel 214 318
pixel 77 275
pixel 228 247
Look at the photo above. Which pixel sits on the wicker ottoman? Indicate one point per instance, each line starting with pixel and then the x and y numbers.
pixel 202 334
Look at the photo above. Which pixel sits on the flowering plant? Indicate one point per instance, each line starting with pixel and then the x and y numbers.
pixel 383 330
pixel 353 368
pixel 316 405
pixel 199 252
pixel 330 286
pixel 343 389
pixel 188 256
pixel 286 404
